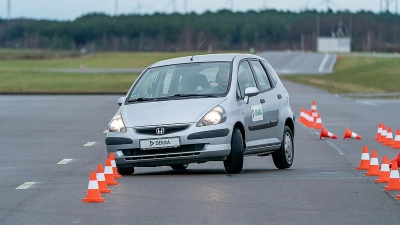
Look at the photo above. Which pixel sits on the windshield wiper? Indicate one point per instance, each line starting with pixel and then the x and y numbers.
pixel 150 99
pixel 141 99
pixel 195 95
pixel 173 96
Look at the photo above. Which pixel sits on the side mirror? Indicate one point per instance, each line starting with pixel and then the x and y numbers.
pixel 120 101
pixel 250 92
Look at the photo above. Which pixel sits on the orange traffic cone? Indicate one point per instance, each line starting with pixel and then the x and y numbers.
pixel 318 122
pixel 302 113
pixel 394 180
pixel 101 179
pixel 383 134
pixel 396 143
pixel 349 134
pixel 395 160
pixel 108 173
pixel 385 171
pixel 364 162
pixel 373 169
pixel 378 134
pixel 310 120
pixel 314 109
pixel 327 134
pixel 389 137
pixel 93 193
pixel 114 166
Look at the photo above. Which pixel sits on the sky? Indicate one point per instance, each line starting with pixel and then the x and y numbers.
pixel 72 9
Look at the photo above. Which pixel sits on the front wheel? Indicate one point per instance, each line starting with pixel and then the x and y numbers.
pixel 126 170
pixel 283 158
pixel 234 163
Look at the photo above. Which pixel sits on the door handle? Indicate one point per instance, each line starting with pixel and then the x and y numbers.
pixel 279 96
pixel 262 101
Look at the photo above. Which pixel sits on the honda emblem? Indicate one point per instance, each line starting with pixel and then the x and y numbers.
pixel 160 130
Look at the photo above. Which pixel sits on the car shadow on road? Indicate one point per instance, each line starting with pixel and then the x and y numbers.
pixel 212 172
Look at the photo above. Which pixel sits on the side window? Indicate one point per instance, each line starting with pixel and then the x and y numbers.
pixel 245 77
pixel 271 72
pixel 261 75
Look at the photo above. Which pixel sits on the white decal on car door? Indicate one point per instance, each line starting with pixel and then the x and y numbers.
pixel 256 113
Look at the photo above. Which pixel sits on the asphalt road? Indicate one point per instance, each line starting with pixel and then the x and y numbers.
pixel 289 63
pixel 322 187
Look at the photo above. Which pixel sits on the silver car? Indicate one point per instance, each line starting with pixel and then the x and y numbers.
pixel 217 107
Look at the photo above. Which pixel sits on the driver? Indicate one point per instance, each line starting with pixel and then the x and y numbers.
pixel 222 79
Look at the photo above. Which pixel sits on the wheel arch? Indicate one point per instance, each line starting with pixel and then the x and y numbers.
pixel 289 122
pixel 240 126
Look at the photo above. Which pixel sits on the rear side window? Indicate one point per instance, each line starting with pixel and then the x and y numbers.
pixel 261 76
pixel 271 72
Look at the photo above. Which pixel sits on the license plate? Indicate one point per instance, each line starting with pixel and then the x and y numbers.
pixel 159 143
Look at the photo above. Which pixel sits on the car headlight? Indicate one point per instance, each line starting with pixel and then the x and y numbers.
pixel 216 116
pixel 117 124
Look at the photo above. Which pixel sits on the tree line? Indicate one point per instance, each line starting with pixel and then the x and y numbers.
pixel 222 30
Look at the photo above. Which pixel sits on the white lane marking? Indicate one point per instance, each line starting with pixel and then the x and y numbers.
pixel 333 63
pixel 64 161
pixel 89 144
pixel 105 132
pixel 367 103
pixel 335 147
pixel 321 67
pixel 25 185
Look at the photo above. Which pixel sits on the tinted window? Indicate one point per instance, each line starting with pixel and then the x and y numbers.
pixel 261 75
pixel 271 72
pixel 245 77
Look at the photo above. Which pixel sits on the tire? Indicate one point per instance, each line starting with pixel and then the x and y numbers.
pixel 126 170
pixel 179 166
pixel 234 163
pixel 283 158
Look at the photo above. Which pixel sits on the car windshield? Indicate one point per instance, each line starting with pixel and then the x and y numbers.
pixel 192 80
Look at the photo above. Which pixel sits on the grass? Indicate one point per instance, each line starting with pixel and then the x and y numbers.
pixel 27 76
pixel 98 61
pixel 10 54
pixel 354 74
pixel 35 82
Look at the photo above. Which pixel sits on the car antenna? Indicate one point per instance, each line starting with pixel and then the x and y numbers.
pixel 191 59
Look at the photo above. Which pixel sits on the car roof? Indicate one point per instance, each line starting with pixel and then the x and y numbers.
pixel 226 57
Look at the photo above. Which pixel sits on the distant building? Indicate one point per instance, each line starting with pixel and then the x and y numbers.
pixel 334 44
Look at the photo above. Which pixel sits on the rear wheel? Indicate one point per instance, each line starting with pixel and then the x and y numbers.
pixel 126 170
pixel 283 158
pixel 234 163
pixel 179 166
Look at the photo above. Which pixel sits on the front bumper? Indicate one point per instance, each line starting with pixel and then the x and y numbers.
pixel 197 145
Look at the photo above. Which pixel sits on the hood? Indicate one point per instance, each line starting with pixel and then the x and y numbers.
pixel 167 112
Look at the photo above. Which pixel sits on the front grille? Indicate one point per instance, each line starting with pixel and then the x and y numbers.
pixel 150 152
pixel 168 129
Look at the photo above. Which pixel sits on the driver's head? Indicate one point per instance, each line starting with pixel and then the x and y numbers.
pixel 223 75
